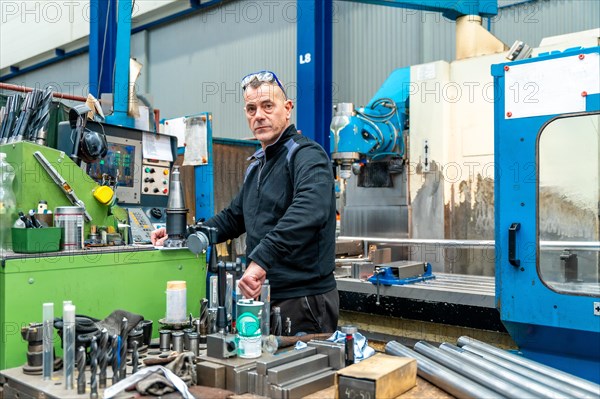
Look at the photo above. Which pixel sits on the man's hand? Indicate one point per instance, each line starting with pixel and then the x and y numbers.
pixel 252 280
pixel 158 237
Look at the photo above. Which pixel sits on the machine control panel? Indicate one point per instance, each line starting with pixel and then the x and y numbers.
pixel 143 221
pixel 155 177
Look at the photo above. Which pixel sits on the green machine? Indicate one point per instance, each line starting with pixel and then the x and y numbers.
pixel 97 281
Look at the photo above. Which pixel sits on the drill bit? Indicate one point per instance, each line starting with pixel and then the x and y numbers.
pixel 81 370
pixel 103 357
pixel 135 357
pixel 277 321
pixel 115 358
pixel 94 368
pixel 203 327
pixel 123 359
pixel 288 326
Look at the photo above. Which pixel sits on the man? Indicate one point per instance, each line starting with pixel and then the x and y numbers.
pixel 287 208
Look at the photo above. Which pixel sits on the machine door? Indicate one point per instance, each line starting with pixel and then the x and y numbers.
pixel 547 208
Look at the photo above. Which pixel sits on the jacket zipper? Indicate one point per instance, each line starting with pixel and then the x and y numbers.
pixel 262 164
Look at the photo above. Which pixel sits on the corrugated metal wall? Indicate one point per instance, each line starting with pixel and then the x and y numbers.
pixel 194 65
pixel 70 76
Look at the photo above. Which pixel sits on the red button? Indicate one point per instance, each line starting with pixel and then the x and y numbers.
pixel 165 190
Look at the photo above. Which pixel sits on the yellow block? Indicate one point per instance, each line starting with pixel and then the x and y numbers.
pixel 103 194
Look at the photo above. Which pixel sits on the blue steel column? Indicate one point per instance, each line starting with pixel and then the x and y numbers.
pixel 102 45
pixel 123 50
pixel 314 71
pixel 204 178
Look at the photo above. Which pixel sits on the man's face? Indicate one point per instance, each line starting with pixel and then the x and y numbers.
pixel 268 112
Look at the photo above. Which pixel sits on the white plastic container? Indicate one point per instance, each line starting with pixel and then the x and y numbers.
pixel 176 302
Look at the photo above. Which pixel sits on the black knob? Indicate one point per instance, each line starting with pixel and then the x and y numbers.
pixel 156 190
pixel 230 346
pixel 156 213
pixel 145 189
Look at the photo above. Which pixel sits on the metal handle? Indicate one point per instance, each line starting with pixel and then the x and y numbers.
pixel 512 244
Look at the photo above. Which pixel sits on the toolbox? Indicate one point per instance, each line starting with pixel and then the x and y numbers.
pixel 32 241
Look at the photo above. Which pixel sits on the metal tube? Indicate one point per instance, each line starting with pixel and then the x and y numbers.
pixel 177 341
pixel 442 377
pixel 499 385
pixel 48 341
pixel 164 340
pixel 567 378
pixel 569 390
pixel 23 89
pixel 540 390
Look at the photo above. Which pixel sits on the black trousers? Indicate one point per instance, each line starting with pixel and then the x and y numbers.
pixel 309 314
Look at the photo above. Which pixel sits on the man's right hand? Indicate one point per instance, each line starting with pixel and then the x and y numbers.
pixel 158 237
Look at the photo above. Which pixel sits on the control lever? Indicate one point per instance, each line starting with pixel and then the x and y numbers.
pixel 62 183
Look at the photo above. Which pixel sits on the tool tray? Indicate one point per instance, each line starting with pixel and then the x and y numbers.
pixel 31 241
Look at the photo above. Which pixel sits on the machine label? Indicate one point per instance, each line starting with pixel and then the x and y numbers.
pixel 305 58
pixel 596 308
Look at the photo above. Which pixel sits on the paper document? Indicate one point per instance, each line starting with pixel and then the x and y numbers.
pixel 157 146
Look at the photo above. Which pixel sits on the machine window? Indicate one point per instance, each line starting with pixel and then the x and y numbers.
pixel 569 205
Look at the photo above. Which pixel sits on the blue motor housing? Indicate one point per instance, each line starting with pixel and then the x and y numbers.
pixel 375 130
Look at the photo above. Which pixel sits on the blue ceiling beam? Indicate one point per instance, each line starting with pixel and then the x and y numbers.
pixel 450 9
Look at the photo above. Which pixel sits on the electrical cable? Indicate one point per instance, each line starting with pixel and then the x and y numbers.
pixel 103 49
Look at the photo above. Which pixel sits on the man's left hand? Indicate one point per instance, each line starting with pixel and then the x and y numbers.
pixel 252 280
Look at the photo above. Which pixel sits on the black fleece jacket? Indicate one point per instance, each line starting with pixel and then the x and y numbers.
pixel 287 208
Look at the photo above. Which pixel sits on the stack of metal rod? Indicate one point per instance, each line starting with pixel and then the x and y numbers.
pixel 474 369
pixel 26 119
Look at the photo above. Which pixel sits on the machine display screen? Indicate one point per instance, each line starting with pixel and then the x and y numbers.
pixel 118 163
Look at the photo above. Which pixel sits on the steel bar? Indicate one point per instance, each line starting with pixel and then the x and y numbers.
pixel 334 351
pixel 538 367
pixel 286 372
pixel 558 245
pixel 69 343
pixel 48 343
pixel 499 385
pixel 567 389
pixel 309 385
pixel 442 377
pixel 535 387
pixel 264 363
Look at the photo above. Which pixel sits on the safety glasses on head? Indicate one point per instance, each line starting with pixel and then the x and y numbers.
pixel 262 76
